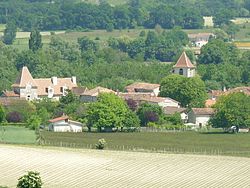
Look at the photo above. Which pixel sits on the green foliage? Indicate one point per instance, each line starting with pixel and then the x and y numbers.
pixel 223 17
pixel 149 113
pixel 189 92
pixel 34 122
pixel 108 112
pixel 174 119
pixel 87 45
pixel 2 114
pixel 101 144
pixel 232 110
pixel 163 46
pixel 35 41
pixel 9 33
pixel 217 51
pixel 231 29
pixel 44 115
pixel 70 97
pixel 30 180
pixel 22 107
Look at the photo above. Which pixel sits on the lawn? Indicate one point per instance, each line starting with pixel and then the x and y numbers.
pixel 172 142
pixel 17 135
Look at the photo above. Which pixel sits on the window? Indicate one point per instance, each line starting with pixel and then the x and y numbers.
pixel 46 90
pixel 181 72
pixel 61 89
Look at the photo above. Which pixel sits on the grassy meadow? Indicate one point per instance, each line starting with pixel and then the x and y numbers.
pixel 212 143
pixel 17 135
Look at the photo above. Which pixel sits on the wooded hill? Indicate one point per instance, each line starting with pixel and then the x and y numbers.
pixel 58 14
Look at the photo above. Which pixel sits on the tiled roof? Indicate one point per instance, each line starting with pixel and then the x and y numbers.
pixel 96 91
pixel 43 83
pixel 141 85
pixel 8 101
pixel 184 62
pixel 203 111
pixel 24 78
pixel 79 90
pixel 204 36
pixel 245 90
pixel 209 103
pixel 171 110
pixel 10 94
pixel 147 97
pixel 58 119
pixel 216 93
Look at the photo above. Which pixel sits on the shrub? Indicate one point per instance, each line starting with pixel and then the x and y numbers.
pixel 30 180
pixel 14 117
pixel 101 144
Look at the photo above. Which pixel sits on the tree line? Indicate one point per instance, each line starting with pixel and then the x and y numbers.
pixel 68 14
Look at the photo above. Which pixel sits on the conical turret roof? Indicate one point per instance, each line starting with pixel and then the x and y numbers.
pixel 184 62
pixel 24 78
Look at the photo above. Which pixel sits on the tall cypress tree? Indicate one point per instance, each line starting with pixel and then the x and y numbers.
pixel 35 41
pixel 9 33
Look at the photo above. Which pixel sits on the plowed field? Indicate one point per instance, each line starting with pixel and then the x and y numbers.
pixel 64 168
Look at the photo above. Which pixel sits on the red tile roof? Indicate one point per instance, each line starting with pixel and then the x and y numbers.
pixel 171 110
pixel 24 78
pixel 141 86
pixel 43 83
pixel 58 119
pixel 10 94
pixel 245 90
pixel 203 111
pixel 184 62
pixel 146 97
pixel 79 90
pixel 209 103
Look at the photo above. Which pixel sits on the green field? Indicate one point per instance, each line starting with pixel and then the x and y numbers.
pixel 17 135
pixel 216 143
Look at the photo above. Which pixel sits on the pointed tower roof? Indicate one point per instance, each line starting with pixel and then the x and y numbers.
pixel 24 78
pixel 184 62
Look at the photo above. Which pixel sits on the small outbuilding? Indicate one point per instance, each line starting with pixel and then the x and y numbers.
pixel 63 124
pixel 200 116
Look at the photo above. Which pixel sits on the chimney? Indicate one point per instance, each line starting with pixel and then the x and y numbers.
pixel 73 79
pixel 54 80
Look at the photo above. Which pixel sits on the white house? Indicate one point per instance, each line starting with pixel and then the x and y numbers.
pixel 63 124
pixel 200 116
pixel 184 66
pixel 200 39
pixel 29 88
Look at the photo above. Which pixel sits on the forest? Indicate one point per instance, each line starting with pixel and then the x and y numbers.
pixel 72 14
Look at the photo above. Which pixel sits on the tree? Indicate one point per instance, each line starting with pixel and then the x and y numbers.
pixel 2 114
pixel 189 92
pixel 87 44
pixel 9 33
pixel 149 113
pixel 232 110
pixel 231 29
pixel 34 122
pixel 30 180
pixel 35 41
pixel 14 117
pixel 108 112
pixel 217 52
